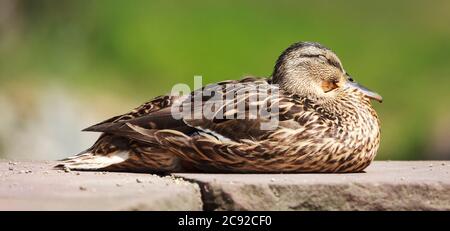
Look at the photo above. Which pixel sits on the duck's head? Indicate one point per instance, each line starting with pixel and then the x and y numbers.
pixel 314 71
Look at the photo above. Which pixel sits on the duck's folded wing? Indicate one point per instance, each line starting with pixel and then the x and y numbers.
pixel 247 109
pixel 241 110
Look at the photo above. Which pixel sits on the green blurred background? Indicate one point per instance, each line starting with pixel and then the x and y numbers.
pixel 67 64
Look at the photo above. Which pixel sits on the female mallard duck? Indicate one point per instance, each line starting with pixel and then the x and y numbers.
pixel 325 123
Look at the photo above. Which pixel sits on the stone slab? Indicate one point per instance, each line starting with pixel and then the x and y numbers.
pixel 36 186
pixel 385 185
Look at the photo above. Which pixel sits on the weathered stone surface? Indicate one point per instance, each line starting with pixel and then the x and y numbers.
pixel 393 185
pixel 36 186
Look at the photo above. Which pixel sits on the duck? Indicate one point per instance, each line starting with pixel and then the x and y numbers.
pixel 317 119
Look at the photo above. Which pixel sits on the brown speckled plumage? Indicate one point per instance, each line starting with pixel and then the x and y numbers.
pixel 326 124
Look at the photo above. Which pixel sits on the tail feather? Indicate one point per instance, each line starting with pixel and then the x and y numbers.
pixel 90 161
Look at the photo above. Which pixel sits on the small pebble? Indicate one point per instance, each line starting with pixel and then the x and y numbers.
pixel 11 168
pixel 83 188
pixel 272 179
pixel 66 169
pixel 104 173
pixel 28 171
pixel 431 165
pixel 12 163
pixel 77 173
pixel 138 181
pixel 443 164
pixel 118 185
pixel 402 178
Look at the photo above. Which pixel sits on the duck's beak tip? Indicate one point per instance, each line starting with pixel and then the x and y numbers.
pixel 368 93
pixel 377 98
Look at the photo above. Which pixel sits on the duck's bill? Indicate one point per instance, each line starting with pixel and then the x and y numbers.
pixel 368 93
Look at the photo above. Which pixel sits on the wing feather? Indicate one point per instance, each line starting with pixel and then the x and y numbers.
pixel 237 110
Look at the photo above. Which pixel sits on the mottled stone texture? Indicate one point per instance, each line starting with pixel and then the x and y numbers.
pixel 385 185
pixel 411 185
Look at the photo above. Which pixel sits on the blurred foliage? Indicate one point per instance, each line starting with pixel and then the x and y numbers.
pixel 139 49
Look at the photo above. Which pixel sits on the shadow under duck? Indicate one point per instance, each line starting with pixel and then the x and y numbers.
pixel 325 123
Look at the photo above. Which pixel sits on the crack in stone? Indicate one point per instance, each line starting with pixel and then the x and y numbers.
pixel 212 198
pixel 203 191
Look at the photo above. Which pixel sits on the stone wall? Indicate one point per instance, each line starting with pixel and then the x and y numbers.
pixel 386 185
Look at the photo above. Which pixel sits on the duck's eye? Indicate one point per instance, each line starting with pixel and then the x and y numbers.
pixel 323 58
pixel 329 85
